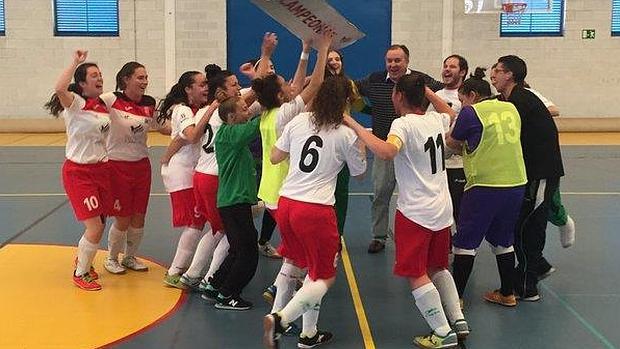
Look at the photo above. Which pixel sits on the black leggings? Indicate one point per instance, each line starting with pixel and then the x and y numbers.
pixel 239 266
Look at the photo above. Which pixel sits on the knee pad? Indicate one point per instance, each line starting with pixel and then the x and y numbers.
pixel 463 251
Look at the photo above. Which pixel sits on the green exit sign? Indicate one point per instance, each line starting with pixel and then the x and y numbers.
pixel 588 33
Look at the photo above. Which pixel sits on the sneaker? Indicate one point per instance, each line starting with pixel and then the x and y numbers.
pixel 529 296
pixel 86 282
pixel 174 281
pixel 209 292
pixel 310 342
pixel 567 233
pixel 434 341
pixel 269 294
pixel 461 328
pixel 546 274
pixel 113 266
pixel 292 330
pixel 272 326
pixel 131 262
pixel 498 298
pixel 232 303
pixel 376 246
pixel 91 271
pixel 268 251
pixel 190 282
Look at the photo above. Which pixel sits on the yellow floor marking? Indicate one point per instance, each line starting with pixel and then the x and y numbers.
pixel 156 139
pixel 41 308
pixel 357 299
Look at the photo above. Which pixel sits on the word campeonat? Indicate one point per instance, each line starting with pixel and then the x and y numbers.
pixel 307 17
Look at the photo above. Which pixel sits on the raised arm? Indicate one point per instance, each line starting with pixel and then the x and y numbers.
pixel 64 80
pixel 270 41
pixel 382 149
pixel 440 105
pixel 300 74
pixel 193 133
pixel 319 69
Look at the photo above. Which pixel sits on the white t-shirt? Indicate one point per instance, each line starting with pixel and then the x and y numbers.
pixel 207 162
pixel 178 173
pixel 88 125
pixel 287 112
pixel 316 158
pixel 130 124
pixel 423 195
pixel 452 98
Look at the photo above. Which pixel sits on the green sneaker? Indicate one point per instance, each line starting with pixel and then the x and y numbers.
pixel 174 281
pixel 434 341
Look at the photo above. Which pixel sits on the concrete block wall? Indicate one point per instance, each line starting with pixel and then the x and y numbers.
pixel 578 75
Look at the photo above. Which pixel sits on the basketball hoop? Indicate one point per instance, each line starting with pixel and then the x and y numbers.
pixel 514 11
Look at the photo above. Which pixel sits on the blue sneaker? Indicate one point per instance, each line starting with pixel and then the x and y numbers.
pixel 269 294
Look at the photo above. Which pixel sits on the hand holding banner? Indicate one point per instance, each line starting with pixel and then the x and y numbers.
pixel 310 19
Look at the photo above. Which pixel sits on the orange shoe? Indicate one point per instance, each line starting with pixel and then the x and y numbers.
pixel 86 282
pixel 498 298
pixel 92 272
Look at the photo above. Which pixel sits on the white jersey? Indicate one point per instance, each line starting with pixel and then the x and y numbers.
pixel 316 158
pixel 178 173
pixel 452 98
pixel 130 124
pixel 207 163
pixel 88 125
pixel 423 195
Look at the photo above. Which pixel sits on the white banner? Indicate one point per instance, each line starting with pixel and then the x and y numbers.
pixel 307 19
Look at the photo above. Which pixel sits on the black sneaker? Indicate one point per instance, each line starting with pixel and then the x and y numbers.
pixel 272 326
pixel 232 303
pixel 319 338
pixel 527 296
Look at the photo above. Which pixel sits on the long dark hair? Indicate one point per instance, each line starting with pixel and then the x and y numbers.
pixel 267 89
pixel 217 81
pixel 177 95
pixel 53 105
pixel 413 87
pixel 477 84
pixel 126 71
pixel 330 102
pixel 328 73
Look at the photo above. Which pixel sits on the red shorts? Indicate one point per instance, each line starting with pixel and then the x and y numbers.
pixel 205 195
pixel 184 211
pixel 131 186
pixel 419 248
pixel 309 236
pixel 88 188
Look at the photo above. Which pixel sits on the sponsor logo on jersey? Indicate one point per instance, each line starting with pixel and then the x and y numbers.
pixel 105 127
pixel 137 129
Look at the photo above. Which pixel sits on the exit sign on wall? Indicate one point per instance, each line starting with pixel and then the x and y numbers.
pixel 588 33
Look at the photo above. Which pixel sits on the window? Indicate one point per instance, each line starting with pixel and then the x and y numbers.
pixel 1 17
pixel 86 17
pixel 615 18
pixel 536 23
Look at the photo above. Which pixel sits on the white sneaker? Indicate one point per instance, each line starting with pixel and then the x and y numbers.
pixel 113 266
pixel 131 262
pixel 268 251
pixel 567 233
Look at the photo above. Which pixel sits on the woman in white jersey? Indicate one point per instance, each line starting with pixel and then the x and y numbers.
pixel 318 147
pixel 131 116
pixel 275 95
pixel 424 210
pixel 179 106
pixel 85 172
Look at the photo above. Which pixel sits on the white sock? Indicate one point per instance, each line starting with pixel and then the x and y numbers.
pixel 86 252
pixel 310 320
pixel 429 303
pixel 220 253
pixel 116 241
pixel 204 252
pixel 308 297
pixel 185 250
pixel 449 296
pixel 286 283
pixel 134 237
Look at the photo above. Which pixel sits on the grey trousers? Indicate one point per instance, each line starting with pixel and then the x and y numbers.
pixel 383 182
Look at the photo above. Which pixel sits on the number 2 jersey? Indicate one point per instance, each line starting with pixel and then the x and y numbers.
pixel 420 170
pixel 316 158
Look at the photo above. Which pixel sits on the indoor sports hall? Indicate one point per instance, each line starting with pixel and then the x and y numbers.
pixel 570 47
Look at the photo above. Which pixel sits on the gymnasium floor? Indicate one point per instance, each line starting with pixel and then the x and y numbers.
pixel 367 308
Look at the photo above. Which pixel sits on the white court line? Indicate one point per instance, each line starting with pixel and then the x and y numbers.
pixel 26 195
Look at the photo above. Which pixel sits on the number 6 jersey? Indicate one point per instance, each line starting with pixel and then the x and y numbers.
pixel 420 169
pixel 316 158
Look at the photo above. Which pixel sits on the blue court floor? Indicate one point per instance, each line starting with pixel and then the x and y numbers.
pixel 579 309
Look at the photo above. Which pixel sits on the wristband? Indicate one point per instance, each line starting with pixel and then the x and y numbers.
pixel 304 56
